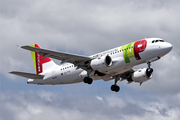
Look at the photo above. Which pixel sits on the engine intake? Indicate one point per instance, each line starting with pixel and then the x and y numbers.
pixel 101 63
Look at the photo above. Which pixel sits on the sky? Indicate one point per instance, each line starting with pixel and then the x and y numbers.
pixel 88 27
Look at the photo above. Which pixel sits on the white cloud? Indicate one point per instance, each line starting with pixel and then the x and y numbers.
pixel 34 105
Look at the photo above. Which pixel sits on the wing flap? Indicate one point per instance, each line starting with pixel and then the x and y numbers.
pixel 27 75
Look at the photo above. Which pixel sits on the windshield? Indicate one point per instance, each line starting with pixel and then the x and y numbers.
pixel 154 41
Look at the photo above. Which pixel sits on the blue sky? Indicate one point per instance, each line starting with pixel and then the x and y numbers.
pixel 87 27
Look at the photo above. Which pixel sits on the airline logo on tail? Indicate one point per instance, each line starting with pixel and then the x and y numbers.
pixel 133 50
pixel 38 60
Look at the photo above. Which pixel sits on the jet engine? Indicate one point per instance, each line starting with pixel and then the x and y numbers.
pixel 141 75
pixel 101 63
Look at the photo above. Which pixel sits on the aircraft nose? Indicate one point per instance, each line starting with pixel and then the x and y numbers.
pixel 168 47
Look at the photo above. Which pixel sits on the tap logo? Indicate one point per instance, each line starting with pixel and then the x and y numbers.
pixel 133 50
pixel 38 60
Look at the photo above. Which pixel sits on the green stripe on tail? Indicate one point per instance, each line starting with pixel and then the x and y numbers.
pixel 34 58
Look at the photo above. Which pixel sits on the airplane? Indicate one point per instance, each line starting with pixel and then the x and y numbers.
pixel 116 63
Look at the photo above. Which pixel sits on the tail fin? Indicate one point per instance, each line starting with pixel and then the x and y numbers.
pixel 41 64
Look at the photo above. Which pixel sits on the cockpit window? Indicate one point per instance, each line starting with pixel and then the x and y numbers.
pixel 154 41
pixel 161 40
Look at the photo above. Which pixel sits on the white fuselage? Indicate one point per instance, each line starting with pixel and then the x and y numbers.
pixel 68 73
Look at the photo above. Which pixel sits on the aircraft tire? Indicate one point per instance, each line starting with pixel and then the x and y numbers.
pixel 90 80
pixel 85 80
pixel 115 88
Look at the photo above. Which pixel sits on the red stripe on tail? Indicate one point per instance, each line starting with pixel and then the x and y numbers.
pixel 40 61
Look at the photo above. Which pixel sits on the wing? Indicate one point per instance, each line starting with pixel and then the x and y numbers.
pixel 27 75
pixel 64 57
pixel 126 74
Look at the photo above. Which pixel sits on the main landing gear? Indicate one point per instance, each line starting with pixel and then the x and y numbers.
pixel 88 80
pixel 115 87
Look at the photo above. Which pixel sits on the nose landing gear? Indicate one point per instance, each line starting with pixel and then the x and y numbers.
pixel 149 70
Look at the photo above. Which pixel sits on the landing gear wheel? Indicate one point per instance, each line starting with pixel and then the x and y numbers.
pixel 85 80
pixel 88 80
pixel 115 88
pixel 149 72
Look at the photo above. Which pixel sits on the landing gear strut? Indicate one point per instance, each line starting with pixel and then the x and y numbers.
pixel 149 64
pixel 115 87
pixel 149 70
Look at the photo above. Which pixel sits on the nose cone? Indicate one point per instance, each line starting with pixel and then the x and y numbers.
pixel 165 48
pixel 168 47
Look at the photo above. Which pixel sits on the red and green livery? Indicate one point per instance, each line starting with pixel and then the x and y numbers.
pixel 133 50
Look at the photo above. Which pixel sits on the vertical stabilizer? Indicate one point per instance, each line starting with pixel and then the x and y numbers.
pixel 41 64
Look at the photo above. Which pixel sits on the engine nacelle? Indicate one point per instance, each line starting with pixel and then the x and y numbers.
pixel 142 75
pixel 101 63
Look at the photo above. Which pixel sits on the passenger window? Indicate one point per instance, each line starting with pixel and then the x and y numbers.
pixel 157 40
pixel 153 41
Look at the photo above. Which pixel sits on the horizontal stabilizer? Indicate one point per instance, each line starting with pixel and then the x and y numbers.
pixel 27 75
